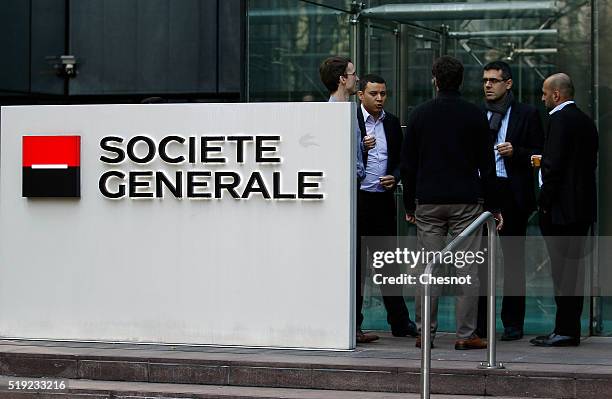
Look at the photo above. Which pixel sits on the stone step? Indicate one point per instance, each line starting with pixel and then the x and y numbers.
pixel 87 389
pixel 389 371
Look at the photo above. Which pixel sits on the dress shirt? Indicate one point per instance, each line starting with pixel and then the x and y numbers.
pixel 500 167
pixel 359 163
pixel 376 166
pixel 560 106
pixel 557 108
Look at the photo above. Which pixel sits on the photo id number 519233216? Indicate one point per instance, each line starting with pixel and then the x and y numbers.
pixel 33 384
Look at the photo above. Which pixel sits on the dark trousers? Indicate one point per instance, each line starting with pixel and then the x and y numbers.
pixel 566 249
pixel 376 216
pixel 512 239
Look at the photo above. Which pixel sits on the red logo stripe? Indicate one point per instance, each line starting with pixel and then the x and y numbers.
pixel 51 150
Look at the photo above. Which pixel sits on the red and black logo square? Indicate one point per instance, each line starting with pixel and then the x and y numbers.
pixel 51 166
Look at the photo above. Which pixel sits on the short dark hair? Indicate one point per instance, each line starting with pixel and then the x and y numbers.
pixel 499 66
pixel 448 72
pixel 330 71
pixel 369 78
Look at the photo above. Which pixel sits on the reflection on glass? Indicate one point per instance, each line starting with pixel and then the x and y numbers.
pixel 289 38
pixel 287 42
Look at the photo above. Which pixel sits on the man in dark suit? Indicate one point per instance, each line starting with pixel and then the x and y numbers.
pixel 568 203
pixel 517 133
pixel 381 142
pixel 448 174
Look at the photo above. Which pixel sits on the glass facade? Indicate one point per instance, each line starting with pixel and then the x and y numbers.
pixel 123 50
pixel 287 40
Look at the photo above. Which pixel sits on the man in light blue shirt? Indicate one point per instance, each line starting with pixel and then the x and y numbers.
pixel 339 76
pixel 381 140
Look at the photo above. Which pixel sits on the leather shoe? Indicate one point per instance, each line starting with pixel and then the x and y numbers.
pixel 512 334
pixel 554 339
pixel 408 328
pixel 364 338
pixel 474 342
pixel 418 342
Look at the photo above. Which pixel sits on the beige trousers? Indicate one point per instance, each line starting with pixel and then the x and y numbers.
pixel 435 223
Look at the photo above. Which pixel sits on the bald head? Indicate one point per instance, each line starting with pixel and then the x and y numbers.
pixel 562 83
pixel 557 89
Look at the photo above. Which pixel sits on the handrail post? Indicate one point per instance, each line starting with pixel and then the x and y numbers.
pixel 425 341
pixel 491 362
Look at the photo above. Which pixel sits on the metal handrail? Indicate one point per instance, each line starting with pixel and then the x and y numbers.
pixel 491 363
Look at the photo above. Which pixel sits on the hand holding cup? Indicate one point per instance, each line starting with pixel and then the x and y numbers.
pixel 536 160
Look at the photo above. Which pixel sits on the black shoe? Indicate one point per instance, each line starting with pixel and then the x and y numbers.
pixel 553 339
pixel 365 338
pixel 512 334
pixel 404 330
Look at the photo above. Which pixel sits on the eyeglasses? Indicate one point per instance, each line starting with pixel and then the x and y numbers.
pixel 349 74
pixel 492 80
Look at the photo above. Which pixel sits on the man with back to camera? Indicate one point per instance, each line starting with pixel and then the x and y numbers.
pixel 517 132
pixel 568 203
pixel 339 76
pixel 448 174
pixel 381 137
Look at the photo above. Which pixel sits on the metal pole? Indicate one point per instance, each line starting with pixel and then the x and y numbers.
pixel 356 38
pixel 491 362
pixel 596 300
pixel 425 341
pixel 443 40
pixel 504 33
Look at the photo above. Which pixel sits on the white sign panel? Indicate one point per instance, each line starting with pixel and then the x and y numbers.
pixel 220 224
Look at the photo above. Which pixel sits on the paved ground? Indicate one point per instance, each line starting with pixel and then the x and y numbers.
pixel 389 365
pixel 135 390
pixel 594 355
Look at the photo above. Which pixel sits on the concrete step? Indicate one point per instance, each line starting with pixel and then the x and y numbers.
pixel 388 369
pixel 87 389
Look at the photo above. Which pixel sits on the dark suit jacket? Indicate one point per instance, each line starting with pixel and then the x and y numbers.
pixel 447 155
pixel 394 136
pixel 527 138
pixel 569 161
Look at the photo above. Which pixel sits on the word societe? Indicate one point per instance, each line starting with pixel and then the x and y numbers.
pixel 199 184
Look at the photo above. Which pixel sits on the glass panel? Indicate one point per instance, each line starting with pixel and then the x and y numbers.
pixel 128 47
pixel 604 310
pixel 287 42
pixel 532 58
pixel 15 42
pixel 345 5
pixel 381 59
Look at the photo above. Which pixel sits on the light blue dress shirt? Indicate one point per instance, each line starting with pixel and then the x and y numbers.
pixel 359 163
pixel 376 166
pixel 500 167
